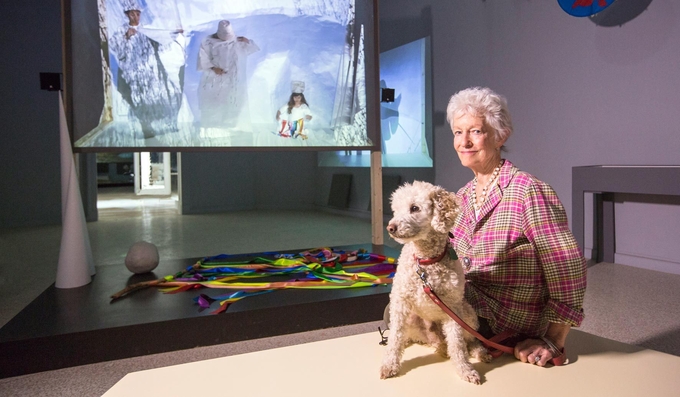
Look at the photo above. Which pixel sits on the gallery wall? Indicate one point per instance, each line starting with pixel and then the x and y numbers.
pixel 30 43
pixel 238 181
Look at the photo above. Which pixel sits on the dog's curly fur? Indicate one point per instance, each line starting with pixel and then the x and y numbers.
pixel 423 216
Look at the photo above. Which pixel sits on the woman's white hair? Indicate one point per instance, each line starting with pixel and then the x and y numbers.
pixel 482 102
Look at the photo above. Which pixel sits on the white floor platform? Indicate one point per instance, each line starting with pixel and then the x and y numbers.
pixel 349 366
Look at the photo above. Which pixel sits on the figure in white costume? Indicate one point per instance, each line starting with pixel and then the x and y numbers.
pixel 223 95
pixel 293 116
pixel 154 97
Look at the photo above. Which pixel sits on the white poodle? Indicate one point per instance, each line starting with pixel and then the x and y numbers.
pixel 423 216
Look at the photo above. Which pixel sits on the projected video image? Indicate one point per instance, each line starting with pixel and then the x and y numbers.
pixel 406 138
pixel 216 73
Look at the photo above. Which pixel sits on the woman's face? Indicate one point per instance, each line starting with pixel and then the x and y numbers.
pixel 297 99
pixel 476 143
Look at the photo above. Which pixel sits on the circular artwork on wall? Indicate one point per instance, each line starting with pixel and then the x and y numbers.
pixel 584 8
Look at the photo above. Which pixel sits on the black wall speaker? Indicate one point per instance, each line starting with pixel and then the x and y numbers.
pixel 387 95
pixel 50 81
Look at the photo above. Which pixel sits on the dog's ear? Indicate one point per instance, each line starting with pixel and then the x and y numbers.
pixel 445 207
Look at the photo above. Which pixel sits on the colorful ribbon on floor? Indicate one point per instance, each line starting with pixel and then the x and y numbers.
pixel 322 268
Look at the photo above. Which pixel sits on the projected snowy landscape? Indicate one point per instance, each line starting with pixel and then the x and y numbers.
pixel 215 73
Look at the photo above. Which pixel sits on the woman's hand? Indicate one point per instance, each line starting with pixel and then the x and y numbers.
pixel 533 351
pixel 538 351
pixel 217 70
pixel 308 117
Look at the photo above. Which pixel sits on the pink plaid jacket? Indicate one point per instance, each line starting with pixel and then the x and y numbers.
pixel 522 264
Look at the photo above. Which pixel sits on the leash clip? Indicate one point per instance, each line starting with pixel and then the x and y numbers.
pixel 422 274
pixel 383 338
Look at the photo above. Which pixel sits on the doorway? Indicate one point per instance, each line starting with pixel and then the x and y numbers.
pixel 137 184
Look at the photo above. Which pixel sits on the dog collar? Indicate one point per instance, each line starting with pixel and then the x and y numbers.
pixel 429 261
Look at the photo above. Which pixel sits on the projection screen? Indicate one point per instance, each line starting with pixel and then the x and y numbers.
pixel 221 74
pixel 405 122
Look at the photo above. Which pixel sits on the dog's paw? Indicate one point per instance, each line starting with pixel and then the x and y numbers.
pixel 388 371
pixel 484 356
pixel 472 376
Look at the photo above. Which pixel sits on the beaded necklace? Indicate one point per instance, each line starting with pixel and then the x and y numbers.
pixel 494 175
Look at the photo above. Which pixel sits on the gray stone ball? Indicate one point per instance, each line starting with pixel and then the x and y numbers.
pixel 142 257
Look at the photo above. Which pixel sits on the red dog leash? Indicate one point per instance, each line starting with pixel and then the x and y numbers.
pixel 485 341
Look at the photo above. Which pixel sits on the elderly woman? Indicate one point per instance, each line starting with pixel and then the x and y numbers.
pixel 524 270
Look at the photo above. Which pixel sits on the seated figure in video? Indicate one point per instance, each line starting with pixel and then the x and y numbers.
pixel 293 115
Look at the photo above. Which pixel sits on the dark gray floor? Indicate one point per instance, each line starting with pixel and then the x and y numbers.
pixel 623 303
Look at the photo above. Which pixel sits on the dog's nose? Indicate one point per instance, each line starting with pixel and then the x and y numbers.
pixel 391 228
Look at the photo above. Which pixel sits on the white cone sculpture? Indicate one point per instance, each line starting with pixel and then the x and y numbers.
pixel 76 266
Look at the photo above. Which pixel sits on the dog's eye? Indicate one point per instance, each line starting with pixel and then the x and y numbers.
pixel 415 208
